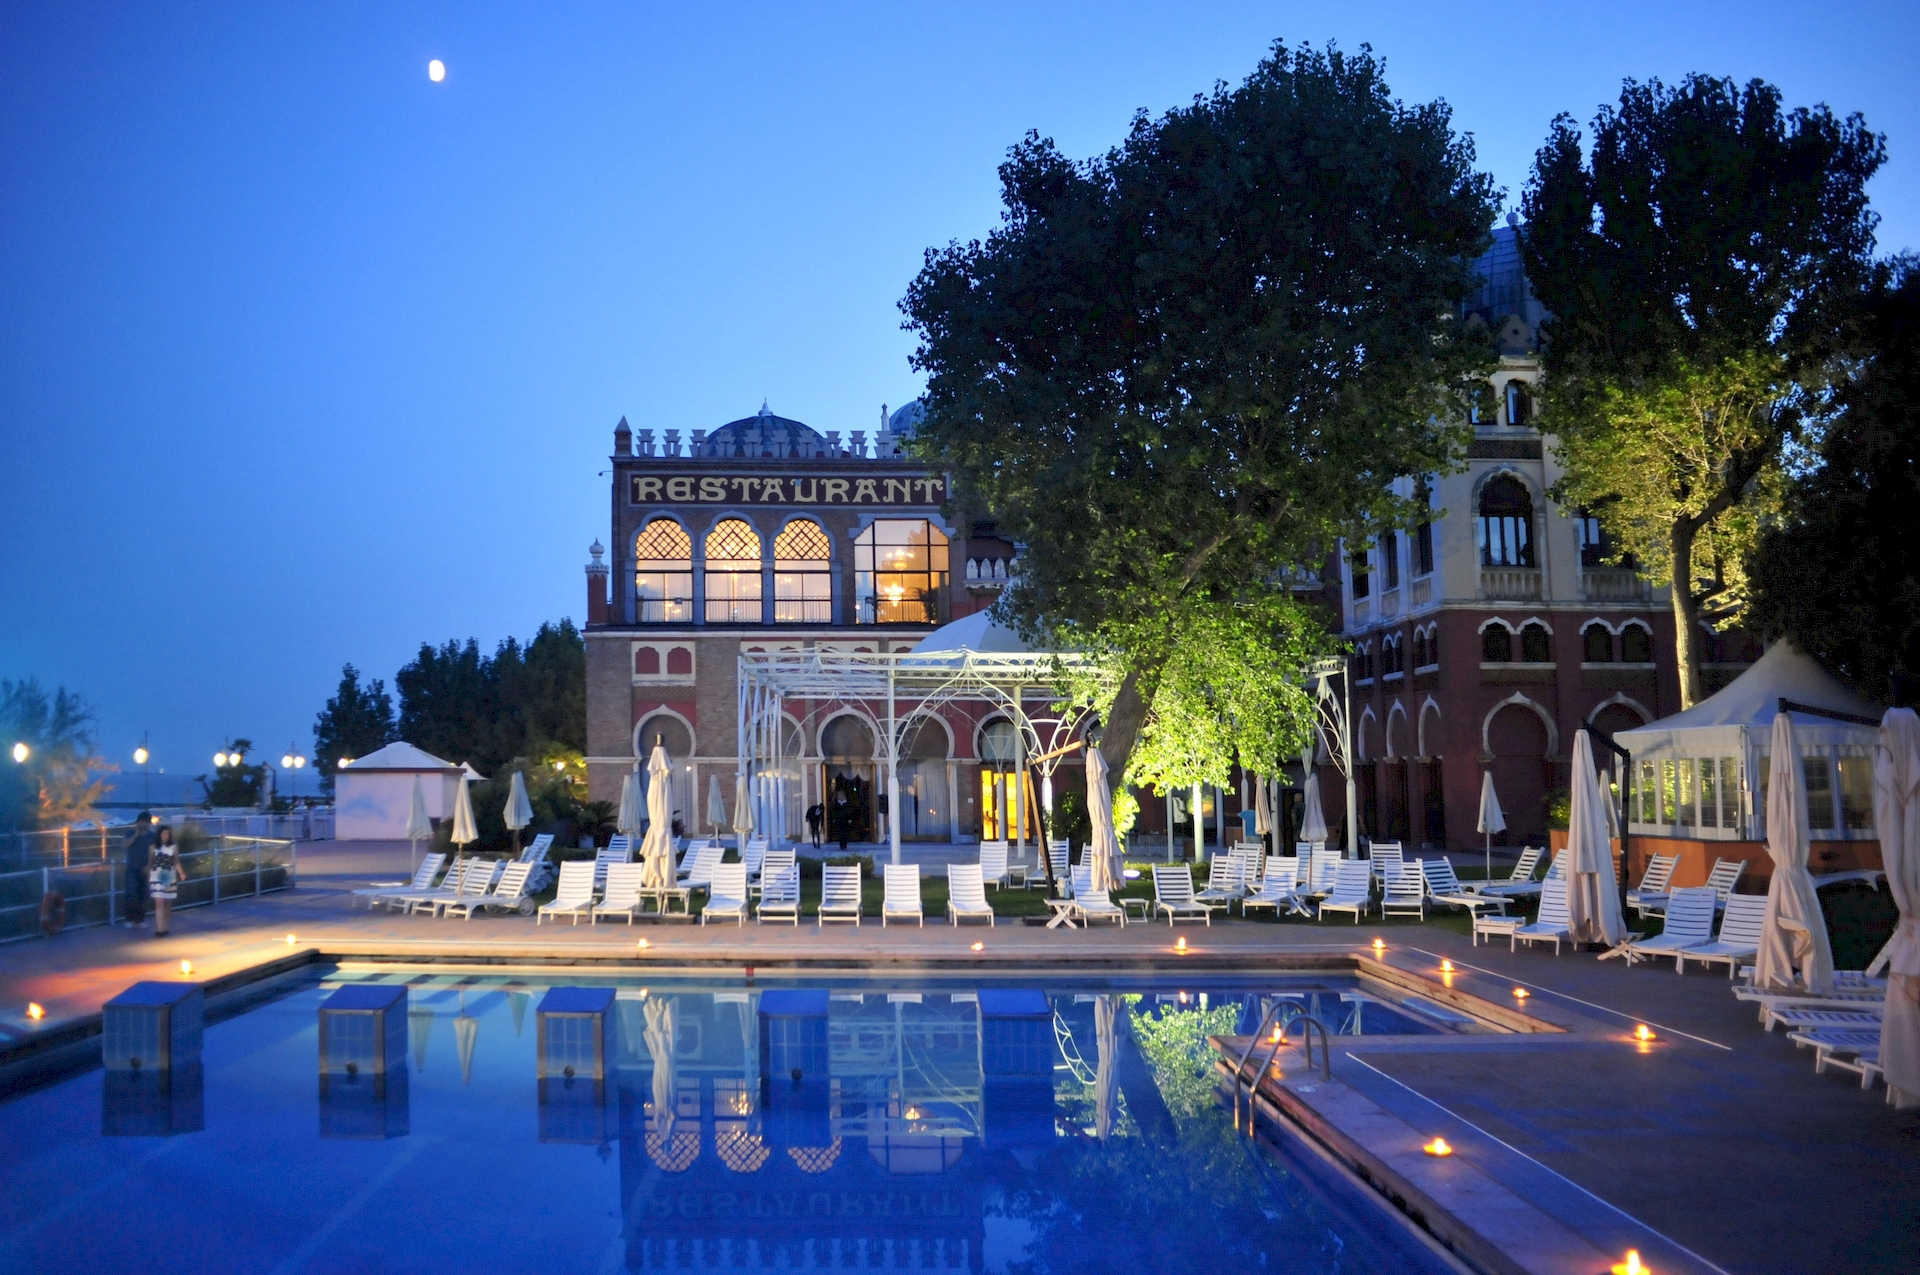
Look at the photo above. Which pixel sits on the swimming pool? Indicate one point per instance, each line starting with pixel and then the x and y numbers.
pixel 1048 1125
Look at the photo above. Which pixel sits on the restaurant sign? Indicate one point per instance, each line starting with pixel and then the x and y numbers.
pixel 763 489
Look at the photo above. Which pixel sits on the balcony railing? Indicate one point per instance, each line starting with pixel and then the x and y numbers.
pixel 1613 584
pixel 1422 590
pixel 1510 584
pixel 1389 604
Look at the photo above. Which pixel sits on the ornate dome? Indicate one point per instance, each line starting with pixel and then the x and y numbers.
pixel 762 434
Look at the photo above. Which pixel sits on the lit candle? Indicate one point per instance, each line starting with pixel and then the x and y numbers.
pixel 289 940
pixel 186 967
pixel 1446 966
pixel 1378 946
pixel 1180 945
pixel 1643 1033
pixel 35 1012
pixel 979 947
pixel 1632 1265
pixel 1438 1147
pixel 1521 993
pixel 644 945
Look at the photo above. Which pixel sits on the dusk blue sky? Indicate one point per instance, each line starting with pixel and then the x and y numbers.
pixel 305 359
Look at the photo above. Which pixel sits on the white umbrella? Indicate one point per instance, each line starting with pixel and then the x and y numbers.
pixel 1896 816
pixel 1105 1090
pixel 1491 819
pixel 1105 868
pixel 1593 889
pixel 627 822
pixel 519 812
pixel 419 827
pixel 656 852
pixel 464 833
pixel 1313 823
pixel 716 804
pixel 1262 806
pixel 742 811
pixel 1794 935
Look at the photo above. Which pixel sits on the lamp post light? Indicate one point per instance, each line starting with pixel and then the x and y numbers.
pixel 21 752
pixel 292 760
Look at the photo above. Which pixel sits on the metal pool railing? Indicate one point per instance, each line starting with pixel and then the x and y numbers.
pixel 94 892
pixel 72 847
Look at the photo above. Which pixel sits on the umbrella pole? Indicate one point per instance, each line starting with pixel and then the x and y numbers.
pixel 1489 867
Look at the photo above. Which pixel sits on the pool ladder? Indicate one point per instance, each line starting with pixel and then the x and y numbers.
pixel 1308 1025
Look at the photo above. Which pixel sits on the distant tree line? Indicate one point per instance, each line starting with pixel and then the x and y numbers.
pixel 524 702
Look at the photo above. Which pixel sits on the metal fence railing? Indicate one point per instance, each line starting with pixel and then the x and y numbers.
pixel 94 892
pixel 76 847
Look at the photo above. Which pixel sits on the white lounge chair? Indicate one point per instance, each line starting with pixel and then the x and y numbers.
pixel 574 897
pixel 967 893
pixel 902 896
pixel 1385 858
pixel 698 866
pixel 780 894
pixel 1352 890
pixel 1689 923
pixel 475 882
pixel 1405 893
pixel 1739 937
pixel 1091 905
pixel 1651 894
pixel 1794 1017
pixel 993 864
pixel 1554 923
pixel 449 887
pixel 726 893
pixel 1277 890
pixel 1721 880
pixel 1444 887
pixel 1173 894
pixel 1057 857
pixel 626 882
pixel 511 894
pixel 839 894
pixel 422 882
pixel 1849 1049
pixel 1519 883
pixel 1324 869
pixel 619 850
pixel 754 856
pixel 1224 883
pixel 771 865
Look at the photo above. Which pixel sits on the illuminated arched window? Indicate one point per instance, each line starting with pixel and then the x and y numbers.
pixel 802 574
pixel 663 573
pixel 1506 524
pixel 1519 406
pixel 900 572
pixel 733 573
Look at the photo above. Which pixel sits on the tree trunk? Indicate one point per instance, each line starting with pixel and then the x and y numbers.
pixel 1686 615
pixel 1127 718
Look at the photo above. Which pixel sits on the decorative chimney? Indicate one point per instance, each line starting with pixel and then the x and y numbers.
pixel 622 439
pixel 646 442
pixel 699 444
pixel 860 443
pixel 833 443
pixel 883 448
pixel 596 585
pixel 673 442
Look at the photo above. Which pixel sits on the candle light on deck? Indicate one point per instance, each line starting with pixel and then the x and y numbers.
pixel 1438 1147
pixel 1632 1266
pixel 979 947
pixel 35 1012
pixel 1643 1033
pixel 186 967
pixel 644 945
pixel 1521 993
pixel 1446 966
pixel 1180 945
pixel 1379 946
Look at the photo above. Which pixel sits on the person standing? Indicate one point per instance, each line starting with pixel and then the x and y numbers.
pixel 816 819
pixel 163 881
pixel 139 848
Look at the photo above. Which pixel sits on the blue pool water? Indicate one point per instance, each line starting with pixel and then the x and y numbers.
pixel 1050 1126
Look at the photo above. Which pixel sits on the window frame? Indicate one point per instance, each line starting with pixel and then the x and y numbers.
pixel 735 588
pixel 661 606
pixel 930 583
pixel 802 587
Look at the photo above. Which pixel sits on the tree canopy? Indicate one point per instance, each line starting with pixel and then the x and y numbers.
pixel 356 721
pixel 1696 260
pixel 1180 368
pixel 61 779
pixel 522 701
pixel 1840 574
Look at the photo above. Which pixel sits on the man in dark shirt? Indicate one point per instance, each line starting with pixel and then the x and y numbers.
pixel 139 846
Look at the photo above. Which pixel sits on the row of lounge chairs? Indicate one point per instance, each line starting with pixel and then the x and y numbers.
pixel 1841 1027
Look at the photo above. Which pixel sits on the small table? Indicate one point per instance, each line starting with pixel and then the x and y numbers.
pixel 1063 910
pixel 1142 904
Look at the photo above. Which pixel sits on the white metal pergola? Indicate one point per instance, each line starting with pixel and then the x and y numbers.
pixel 897 690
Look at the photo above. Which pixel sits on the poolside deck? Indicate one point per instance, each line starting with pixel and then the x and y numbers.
pixel 1717 1140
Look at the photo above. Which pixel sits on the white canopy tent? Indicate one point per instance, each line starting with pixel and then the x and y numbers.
pixel 973 659
pixel 373 795
pixel 1702 773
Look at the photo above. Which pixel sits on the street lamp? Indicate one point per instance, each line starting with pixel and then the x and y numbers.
pixel 21 752
pixel 292 760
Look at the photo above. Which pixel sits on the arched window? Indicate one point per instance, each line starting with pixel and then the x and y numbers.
pixel 1360 665
pixel 900 573
pixel 669 732
pixel 1636 644
pixel 1362 580
pixel 802 574
pixel 1506 524
pixel 1392 659
pixel 733 573
pixel 1536 644
pixel 1496 644
pixel 663 573
pixel 1519 405
pixel 1596 644
pixel 1390 559
pixel 1423 534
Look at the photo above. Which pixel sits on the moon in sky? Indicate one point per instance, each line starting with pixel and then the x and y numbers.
pixel 436 70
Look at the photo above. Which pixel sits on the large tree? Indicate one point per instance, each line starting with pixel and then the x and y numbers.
pixel 356 721
pixel 522 701
pixel 1177 369
pixel 1696 260
pixel 1840 574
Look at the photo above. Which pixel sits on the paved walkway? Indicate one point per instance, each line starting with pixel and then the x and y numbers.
pixel 1718 1137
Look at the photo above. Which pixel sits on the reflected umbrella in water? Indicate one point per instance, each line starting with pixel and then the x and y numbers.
pixel 419 827
pixel 656 852
pixel 466 1032
pixel 1105 1092
pixel 419 1030
pixel 518 1002
pixel 670 1150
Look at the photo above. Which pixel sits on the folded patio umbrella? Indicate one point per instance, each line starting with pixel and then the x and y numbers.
pixel 716 804
pixel 1896 816
pixel 419 827
pixel 1105 867
pixel 627 822
pixel 742 810
pixel 519 812
pixel 1262 805
pixel 1491 818
pixel 657 850
pixel 1793 938
pixel 464 833
pixel 1593 889
pixel 1313 824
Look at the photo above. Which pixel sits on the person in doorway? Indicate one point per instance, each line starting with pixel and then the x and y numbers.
pixel 163 881
pixel 139 848
pixel 816 824
pixel 842 819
